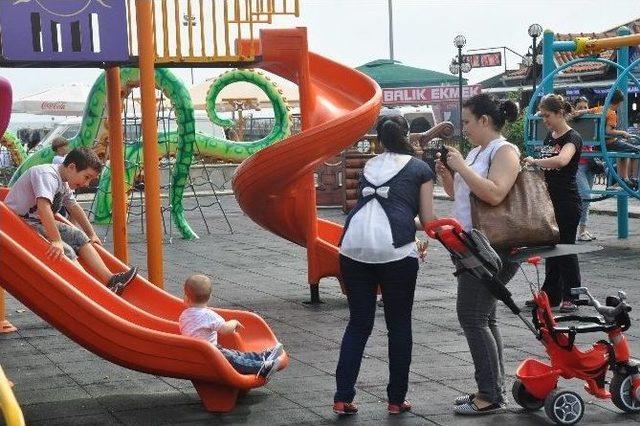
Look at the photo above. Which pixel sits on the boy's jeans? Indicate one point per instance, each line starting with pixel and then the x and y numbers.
pixel 244 362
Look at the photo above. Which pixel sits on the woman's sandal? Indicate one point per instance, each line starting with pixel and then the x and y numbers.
pixel 471 409
pixel 585 236
pixel 464 399
pixel 399 408
pixel 344 408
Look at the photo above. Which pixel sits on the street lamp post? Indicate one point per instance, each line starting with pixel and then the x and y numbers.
pixel 391 29
pixel 535 30
pixel 458 66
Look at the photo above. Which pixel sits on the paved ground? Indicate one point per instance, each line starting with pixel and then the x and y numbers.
pixel 58 382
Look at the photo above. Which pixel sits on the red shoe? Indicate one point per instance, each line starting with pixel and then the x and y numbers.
pixel 345 408
pixel 399 408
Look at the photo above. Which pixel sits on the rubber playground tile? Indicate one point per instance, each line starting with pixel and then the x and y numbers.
pixel 105 419
pixel 315 399
pixel 74 353
pixel 311 356
pixel 96 371
pixel 53 410
pixel 142 385
pixel 284 385
pixel 442 372
pixel 593 415
pixel 36 330
pixel 369 413
pixel 196 415
pixel 46 376
pixel 137 400
pixel 297 369
pixel 51 343
pixel 25 360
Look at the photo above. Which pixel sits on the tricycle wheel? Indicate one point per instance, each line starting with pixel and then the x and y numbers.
pixel 564 407
pixel 621 395
pixel 524 398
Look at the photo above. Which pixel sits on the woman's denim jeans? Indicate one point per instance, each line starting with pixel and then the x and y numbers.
pixel 476 308
pixel 361 280
pixel 584 178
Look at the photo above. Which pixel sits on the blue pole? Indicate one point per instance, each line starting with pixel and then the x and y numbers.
pixel 548 63
pixel 623 119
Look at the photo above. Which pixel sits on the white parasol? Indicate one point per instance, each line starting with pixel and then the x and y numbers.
pixel 65 100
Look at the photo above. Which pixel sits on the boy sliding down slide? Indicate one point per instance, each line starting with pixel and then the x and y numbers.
pixel 201 322
pixel 43 190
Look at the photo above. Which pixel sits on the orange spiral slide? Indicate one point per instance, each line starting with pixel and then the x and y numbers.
pixel 138 331
pixel 275 186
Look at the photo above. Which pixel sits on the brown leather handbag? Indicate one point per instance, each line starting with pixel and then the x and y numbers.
pixel 525 218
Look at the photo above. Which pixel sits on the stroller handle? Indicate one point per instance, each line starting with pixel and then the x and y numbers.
pixel 431 227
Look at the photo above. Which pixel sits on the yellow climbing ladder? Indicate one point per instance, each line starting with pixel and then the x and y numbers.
pixel 204 31
pixel 8 404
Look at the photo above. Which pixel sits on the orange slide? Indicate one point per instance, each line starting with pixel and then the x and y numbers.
pixel 275 186
pixel 138 331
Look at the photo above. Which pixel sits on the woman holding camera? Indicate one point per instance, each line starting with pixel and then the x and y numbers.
pixel 378 249
pixel 489 171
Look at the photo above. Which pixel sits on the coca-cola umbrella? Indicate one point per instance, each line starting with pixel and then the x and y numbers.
pixel 65 100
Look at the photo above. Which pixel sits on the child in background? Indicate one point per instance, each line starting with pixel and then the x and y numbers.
pixel 61 148
pixel 202 322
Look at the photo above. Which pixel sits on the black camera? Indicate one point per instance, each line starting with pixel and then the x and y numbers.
pixel 444 150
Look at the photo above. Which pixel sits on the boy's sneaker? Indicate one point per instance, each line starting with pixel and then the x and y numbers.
pixel 277 350
pixel 118 282
pixel 568 306
pixel 269 368
pixel 399 408
pixel 344 408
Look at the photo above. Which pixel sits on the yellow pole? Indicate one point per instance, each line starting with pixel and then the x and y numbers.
pixel 150 135
pixel 116 157
pixel 9 407
pixel 588 45
pixel 5 325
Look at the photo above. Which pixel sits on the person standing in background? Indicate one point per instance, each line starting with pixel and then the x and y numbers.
pixel 562 148
pixel 60 147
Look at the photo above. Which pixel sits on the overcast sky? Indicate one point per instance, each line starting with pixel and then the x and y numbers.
pixel 356 31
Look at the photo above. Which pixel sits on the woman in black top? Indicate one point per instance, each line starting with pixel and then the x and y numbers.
pixel 561 155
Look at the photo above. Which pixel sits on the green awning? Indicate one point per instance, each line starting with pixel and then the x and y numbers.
pixel 389 73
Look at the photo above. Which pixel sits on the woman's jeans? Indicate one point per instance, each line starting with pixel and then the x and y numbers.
pixel 476 308
pixel 563 273
pixel 584 178
pixel 361 280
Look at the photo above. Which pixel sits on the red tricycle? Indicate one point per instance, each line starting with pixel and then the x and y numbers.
pixel 536 385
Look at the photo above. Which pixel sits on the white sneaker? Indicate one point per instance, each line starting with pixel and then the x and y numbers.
pixel 269 368
pixel 277 350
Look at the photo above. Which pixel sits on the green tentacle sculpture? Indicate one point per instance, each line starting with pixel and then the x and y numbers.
pixel 180 143
pixel 16 150
pixel 238 151
pixel 206 145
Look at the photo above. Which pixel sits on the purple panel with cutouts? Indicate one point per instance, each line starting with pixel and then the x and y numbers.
pixel 64 30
